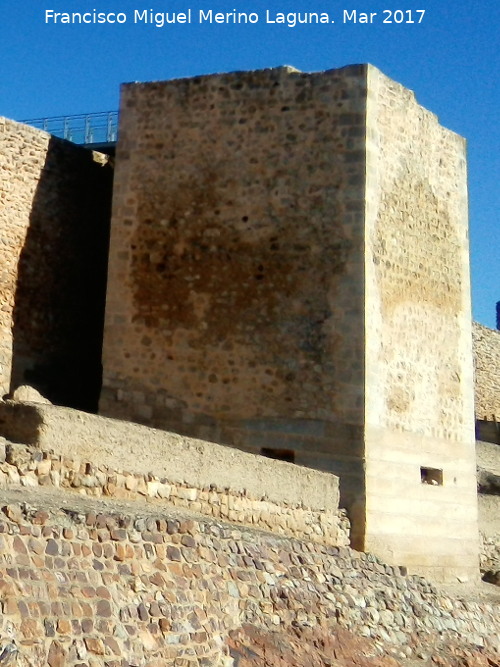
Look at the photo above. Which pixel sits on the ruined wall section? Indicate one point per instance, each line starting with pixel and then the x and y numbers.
pixel 235 280
pixel 54 225
pixel 99 458
pixel 419 384
pixel 110 585
pixel 487 372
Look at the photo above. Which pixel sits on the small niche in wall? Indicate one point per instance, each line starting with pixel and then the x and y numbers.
pixel 432 476
pixel 279 454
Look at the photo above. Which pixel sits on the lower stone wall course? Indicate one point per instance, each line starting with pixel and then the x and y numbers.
pixel 113 568
pixel 98 456
pixel 89 582
pixel 30 467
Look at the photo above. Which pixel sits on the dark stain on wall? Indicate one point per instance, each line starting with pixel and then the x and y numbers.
pixel 198 269
pixel 237 219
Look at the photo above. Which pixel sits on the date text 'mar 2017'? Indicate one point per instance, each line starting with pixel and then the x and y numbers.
pixel 388 16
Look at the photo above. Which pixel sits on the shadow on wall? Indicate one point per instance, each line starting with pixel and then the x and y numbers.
pixel 488 431
pixel 58 317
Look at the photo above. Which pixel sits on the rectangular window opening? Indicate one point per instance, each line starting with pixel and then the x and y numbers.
pixel 432 476
pixel 279 454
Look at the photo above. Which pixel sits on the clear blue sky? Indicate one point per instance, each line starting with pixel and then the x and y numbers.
pixel 451 60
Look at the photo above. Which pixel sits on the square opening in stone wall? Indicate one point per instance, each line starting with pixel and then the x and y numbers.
pixel 279 454
pixel 432 476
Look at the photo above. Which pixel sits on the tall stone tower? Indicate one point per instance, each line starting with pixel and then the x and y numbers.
pixel 289 275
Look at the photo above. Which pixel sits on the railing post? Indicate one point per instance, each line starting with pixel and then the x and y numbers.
pixel 66 129
pixel 101 127
pixel 109 130
pixel 87 131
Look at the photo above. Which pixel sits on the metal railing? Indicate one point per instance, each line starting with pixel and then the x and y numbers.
pixel 90 128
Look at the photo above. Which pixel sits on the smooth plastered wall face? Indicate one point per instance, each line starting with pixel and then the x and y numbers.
pixel 235 280
pixel 54 221
pixel 419 388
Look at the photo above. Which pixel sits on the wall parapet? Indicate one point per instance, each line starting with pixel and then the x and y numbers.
pixel 100 457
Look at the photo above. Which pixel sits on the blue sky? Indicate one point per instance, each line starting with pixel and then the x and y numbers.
pixel 451 60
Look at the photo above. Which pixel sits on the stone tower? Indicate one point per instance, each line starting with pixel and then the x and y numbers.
pixel 289 275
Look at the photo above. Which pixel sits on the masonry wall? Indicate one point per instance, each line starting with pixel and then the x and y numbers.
pixel 106 566
pixel 489 523
pixel 108 588
pixel 98 457
pixel 419 382
pixel 234 301
pixel 289 275
pixel 488 463
pixel 54 221
pixel 487 372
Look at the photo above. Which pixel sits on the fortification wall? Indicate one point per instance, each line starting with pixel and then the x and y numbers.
pixel 106 587
pixel 419 382
pixel 289 274
pixel 487 372
pixel 103 457
pixel 106 566
pixel 54 220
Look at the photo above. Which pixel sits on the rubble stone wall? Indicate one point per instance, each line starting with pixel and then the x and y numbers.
pixel 489 553
pixel 106 586
pixel 103 566
pixel 487 372
pixel 54 225
pixel 98 457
